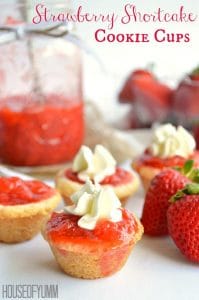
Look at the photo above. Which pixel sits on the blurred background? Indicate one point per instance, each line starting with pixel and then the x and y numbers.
pixel 171 61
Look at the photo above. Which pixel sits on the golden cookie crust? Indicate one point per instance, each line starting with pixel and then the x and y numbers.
pixel 147 174
pixel 67 187
pixel 19 223
pixel 25 210
pixel 78 262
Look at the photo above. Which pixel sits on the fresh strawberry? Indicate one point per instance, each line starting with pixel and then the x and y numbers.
pixel 126 94
pixel 162 188
pixel 183 221
pixel 150 90
pixel 142 84
pixel 185 98
pixel 185 101
pixel 151 99
pixel 143 73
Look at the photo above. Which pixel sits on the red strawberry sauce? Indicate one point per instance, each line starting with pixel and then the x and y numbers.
pixel 14 191
pixel 63 228
pixel 34 133
pixel 157 162
pixel 120 176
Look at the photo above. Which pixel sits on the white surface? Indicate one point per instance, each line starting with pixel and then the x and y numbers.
pixel 154 270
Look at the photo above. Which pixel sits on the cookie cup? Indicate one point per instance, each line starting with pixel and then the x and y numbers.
pixel 146 174
pixel 67 187
pixel 93 261
pixel 19 223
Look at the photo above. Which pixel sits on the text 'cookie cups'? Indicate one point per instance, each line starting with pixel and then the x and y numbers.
pixel 99 167
pixel 93 237
pixel 24 208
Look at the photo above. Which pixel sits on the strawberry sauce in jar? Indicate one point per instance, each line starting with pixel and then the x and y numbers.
pixel 40 134
pixel 41 101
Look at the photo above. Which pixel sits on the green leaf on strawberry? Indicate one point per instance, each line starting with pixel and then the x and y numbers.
pixel 188 166
pixel 195 74
pixel 189 171
pixel 189 189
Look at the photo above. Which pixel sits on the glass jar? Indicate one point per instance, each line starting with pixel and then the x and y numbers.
pixel 41 102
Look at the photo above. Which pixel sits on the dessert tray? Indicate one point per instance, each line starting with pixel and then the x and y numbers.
pixel 154 270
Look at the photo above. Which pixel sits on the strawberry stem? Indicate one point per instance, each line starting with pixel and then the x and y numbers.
pixel 189 189
pixel 195 71
pixel 188 166
pixel 189 171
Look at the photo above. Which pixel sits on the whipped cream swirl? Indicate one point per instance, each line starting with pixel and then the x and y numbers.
pixel 93 202
pixel 94 165
pixel 169 141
